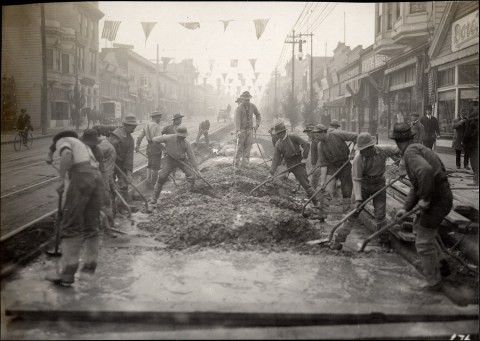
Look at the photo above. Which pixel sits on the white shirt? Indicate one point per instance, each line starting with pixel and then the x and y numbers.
pixel 80 151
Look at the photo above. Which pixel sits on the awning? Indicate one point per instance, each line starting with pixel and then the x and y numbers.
pixel 410 61
pixel 338 102
pixel 455 56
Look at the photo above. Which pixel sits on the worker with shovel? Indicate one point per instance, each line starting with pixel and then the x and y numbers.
pixel 368 175
pixel 177 149
pixel 154 151
pixel 82 206
pixel 288 148
pixel 333 152
pixel 431 191
pixel 244 128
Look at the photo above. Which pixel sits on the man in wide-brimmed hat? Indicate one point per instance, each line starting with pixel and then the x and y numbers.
pixel 172 128
pixel 431 191
pixel 177 148
pixel 154 151
pixel 334 125
pixel 121 138
pixel 458 126
pixel 82 205
pixel 244 127
pixel 294 150
pixel 203 128
pixel 368 173
pixel 432 129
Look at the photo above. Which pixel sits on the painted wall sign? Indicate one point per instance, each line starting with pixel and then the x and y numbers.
pixel 465 32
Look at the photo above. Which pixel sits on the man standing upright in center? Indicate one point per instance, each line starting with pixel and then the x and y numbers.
pixel 172 128
pixel 432 129
pixel 154 151
pixel 244 127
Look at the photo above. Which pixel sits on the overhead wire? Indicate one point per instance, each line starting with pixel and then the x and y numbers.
pixel 325 17
pixel 305 17
pixel 318 17
pixel 311 18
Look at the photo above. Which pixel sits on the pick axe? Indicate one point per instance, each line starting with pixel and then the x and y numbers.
pixel 58 227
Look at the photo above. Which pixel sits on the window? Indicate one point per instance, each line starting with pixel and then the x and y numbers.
pixel 49 59
pixel 446 110
pixel 397 10
pixel 446 77
pixel 468 73
pixel 389 16
pixel 418 7
pixel 466 96
pixel 80 24
pixel 85 32
pixel 379 18
pixel 61 111
pixel 56 57
pixel 92 28
pixel 93 62
pixel 80 56
pixel 65 63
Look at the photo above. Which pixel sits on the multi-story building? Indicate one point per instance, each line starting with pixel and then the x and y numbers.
pixel 71 31
pixel 453 74
pixel 185 73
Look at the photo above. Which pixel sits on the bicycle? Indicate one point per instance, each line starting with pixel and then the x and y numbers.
pixel 19 140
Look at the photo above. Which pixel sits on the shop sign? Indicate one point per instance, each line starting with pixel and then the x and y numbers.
pixel 373 62
pixel 465 32
pixel 125 46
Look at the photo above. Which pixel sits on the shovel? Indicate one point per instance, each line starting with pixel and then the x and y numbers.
pixel 395 222
pixel 322 189
pixel 171 177
pixel 357 210
pixel 196 173
pixel 58 227
pixel 258 146
pixel 275 176
pixel 135 187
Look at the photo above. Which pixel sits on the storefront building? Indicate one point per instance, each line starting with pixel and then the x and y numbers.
pixel 454 64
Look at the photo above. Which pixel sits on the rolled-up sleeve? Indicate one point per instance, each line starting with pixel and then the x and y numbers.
pixel 258 117
pixel 357 174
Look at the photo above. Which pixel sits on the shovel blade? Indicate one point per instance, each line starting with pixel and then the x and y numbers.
pixel 318 241
pixel 54 253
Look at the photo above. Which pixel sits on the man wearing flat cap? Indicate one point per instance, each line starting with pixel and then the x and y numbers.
pixel 334 125
pixel 177 148
pixel 81 211
pixel 417 128
pixel 121 138
pixel 244 127
pixel 154 151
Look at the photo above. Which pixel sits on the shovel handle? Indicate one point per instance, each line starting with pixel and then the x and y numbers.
pixel 193 170
pixel 362 206
pixel 275 176
pixel 135 187
pixel 258 146
pixel 124 202
pixel 59 223
pixel 396 221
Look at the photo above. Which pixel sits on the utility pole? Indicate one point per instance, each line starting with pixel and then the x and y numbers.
pixel 293 42
pixel 43 115
pixel 311 68
pixel 205 97
pixel 156 90
pixel 275 103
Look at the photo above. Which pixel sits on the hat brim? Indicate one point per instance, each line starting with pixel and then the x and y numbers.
pixel 246 97
pixel 335 125
pixel 91 143
pixel 182 134
pixel 173 119
pixel 372 143
pixel 280 131
pixel 157 114
pixel 307 131
pixel 392 136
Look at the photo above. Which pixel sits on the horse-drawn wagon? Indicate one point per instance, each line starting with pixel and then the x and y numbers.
pixel 112 113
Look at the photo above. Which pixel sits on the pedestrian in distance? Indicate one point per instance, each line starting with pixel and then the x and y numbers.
pixel 334 125
pixel 172 128
pixel 431 191
pixel 458 125
pixel 203 128
pixel 177 150
pixel 417 128
pixel 24 125
pixel 326 119
pixel 294 150
pixel 244 128
pixel 368 175
pixel 470 139
pixel 81 212
pixel 333 152
pixel 154 151
pixel 121 138
pixel 432 129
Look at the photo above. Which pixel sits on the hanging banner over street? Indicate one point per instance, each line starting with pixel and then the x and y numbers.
pixel 240 76
pixel 260 25
pixel 225 24
pixel 110 29
pixel 224 75
pixel 252 63
pixel 190 25
pixel 234 63
pixel 147 28
pixel 211 62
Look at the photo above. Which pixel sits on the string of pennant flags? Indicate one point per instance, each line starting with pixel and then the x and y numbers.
pixel 110 28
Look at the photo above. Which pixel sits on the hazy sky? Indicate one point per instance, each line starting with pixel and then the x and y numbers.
pixel 239 41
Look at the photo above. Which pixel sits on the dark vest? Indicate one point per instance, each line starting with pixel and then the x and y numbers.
pixel 335 149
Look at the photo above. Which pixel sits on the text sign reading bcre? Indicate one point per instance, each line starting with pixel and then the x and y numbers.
pixel 465 32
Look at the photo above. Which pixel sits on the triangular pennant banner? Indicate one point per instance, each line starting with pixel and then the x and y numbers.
pixel 225 24
pixel 254 80
pixel 260 25
pixel 110 29
pixel 230 81
pixel 249 87
pixel 211 62
pixel 165 61
pixel 238 89
pixel 234 63
pixel 252 63
pixel 147 28
pixel 190 25
pixel 256 75
pixel 240 76
pixel 224 75
pixel 243 82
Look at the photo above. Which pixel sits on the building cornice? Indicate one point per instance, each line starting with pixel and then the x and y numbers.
pixel 442 29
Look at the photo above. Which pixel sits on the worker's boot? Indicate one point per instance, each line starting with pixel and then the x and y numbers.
pixel 156 193
pixel 154 177
pixel 68 265
pixel 190 186
pixel 342 235
pixel 384 238
pixel 91 255
pixel 346 203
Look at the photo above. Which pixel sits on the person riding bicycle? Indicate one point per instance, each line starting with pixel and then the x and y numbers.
pixel 24 125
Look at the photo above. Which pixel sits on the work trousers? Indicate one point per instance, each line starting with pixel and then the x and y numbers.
pixel 154 157
pixel 458 158
pixel 122 182
pixel 369 187
pixel 346 183
pixel 245 141
pixel 429 140
pixel 300 173
pixel 426 227
pixel 474 161
pixel 108 199
pixel 80 222
pixel 206 137
pixel 169 166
